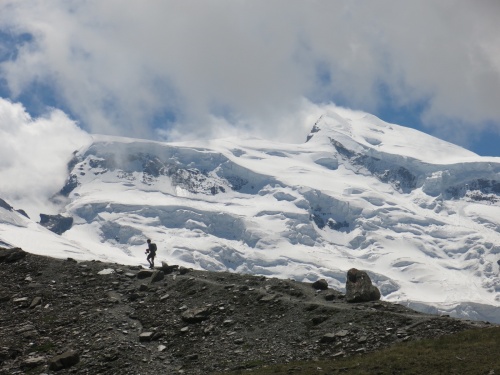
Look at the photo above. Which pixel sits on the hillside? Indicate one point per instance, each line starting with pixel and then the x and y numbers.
pixel 94 317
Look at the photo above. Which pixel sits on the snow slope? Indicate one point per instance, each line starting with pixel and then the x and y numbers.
pixel 421 215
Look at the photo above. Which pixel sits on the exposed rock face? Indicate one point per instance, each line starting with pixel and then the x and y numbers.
pixel 56 223
pixel 8 207
pixel 4 204
pixel 359 287
pixel 73 318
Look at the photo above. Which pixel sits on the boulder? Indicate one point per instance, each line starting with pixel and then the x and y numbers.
pixel 64 360
pixel 359 287
pixel 320 284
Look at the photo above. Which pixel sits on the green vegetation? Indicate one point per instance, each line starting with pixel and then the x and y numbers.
pixel 44 348
pixel 467 353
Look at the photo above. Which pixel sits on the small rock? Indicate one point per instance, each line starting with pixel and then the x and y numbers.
pixel 106 271
pixel 329 297
pixel 35 302
pixel 196 315
pixel 268 298
pixel 318 319
pixel 144 274
pixel 328 337
pixel 33 362
pixel 157 275
pixel 20 300
pixel 146 336
pixel 342 333
pixel 320 284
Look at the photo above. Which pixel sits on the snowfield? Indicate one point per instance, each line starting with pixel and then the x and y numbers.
pixel 421 215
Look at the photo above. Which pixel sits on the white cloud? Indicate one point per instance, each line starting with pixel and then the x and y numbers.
pixel 117 65
pixel 34 156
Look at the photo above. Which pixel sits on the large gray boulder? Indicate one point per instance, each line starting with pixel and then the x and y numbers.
pixel 359 287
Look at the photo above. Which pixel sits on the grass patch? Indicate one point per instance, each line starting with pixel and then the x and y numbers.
pixel 470 352
pixel 44 348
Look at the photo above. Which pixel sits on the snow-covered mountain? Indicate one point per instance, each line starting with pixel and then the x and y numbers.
pixel 421 215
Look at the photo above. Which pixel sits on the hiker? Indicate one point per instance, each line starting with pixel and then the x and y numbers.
pixel 151 251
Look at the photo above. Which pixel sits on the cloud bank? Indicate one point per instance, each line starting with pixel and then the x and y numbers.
pixel 178 69
pixel 34 156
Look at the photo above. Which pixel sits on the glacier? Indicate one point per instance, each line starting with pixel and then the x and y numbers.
pixel 420 215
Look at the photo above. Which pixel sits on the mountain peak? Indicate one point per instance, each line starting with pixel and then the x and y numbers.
pixel 367 133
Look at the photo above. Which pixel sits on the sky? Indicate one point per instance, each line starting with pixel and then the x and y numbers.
pixel 181 69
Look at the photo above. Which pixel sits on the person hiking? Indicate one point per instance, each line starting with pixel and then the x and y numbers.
pixel 151 251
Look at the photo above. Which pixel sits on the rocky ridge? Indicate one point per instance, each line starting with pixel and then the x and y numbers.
pixel 92 317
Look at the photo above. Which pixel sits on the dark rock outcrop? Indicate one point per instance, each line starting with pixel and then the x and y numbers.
pixel 8 207
pixel 56 223
pixel 11 255
pixel 359 287
pixel 5 205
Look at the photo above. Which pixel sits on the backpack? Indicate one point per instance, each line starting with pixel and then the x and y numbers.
pixel 153 248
